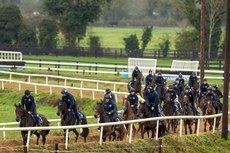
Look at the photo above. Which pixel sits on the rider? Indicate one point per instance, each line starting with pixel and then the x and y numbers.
pixel 135 73
pixel 133 100
pixel 109 92
pixel 192 79
pixel 176 88
pixel 190 95
pixel 219 95
pixel 152 101
pixel 159 81
pixel 173 96
pixel 148 79
pixel 179 84
pixel 210 95
pixel 28 101
pixel 181 79
pixel 203 89
pixel 71 104
pixel 110 108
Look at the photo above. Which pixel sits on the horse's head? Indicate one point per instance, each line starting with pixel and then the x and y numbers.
pixel 141 109
pixel 61 108
pixel 185 100
pixel 99 109
pixel 140 76
pixel 210 107
pixel 167 98
pixel 125 103
pixel 19 111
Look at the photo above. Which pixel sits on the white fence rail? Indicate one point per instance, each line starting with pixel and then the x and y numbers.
pixel 10 56
pixel 131 122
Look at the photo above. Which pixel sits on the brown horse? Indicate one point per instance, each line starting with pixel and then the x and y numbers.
pixel 26 120
pixel 195 91
pixel 169 111
pixel 202 102
pixel 161 89
pixel 209 111
pixel 128 114
pixel 108 130
pixel 187 111
pixel 137 84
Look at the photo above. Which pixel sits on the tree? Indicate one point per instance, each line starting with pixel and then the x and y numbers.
pixel 73 16
pixel 146 37
pixel 132 46
pixel 216 13
pixel 164 46
pixel 10 22
pixel 95 46
pixel 48 31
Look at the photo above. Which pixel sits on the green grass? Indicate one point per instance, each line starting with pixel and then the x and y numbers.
pixel 112 37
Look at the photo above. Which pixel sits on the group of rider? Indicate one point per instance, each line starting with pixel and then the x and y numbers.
pixel 151 97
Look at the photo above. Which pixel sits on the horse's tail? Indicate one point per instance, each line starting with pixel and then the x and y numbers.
pixel 85 131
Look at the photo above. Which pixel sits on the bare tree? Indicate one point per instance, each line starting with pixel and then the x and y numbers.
pixel 216 13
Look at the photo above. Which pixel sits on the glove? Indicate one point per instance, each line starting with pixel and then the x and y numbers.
pixel 69 110
pixel 131 105
pixel 30 112
pixel 109 113
pixel 152 108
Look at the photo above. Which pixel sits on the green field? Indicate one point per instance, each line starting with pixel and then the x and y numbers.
pixel 112 37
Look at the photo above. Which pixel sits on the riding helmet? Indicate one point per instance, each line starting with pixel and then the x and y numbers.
pixel 27 92
pixel 107 90
pixel 159 73
pixel 107 96
pixel 210 88
pixel 180 75
pixel 177 79
pixel 170 86
pixel 215 86
pixel 150 71
pixel 193 73
pixel 132 90
pixel 174 83
pixel 187 88
pixel 205 79
pixel 136 67
pixel 64 90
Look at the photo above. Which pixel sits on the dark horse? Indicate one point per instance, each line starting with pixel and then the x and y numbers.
pixel 108 130
pixel 187 111
pixel 195 91
pixel 137 84
pixel 145 112
pixel 209 111
pixel 26 120
pixel 161 89
pixel 128 114
pixel 168 110
pixel 68 118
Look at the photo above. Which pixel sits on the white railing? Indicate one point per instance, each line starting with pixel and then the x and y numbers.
pixel 10 56
pixel 131 122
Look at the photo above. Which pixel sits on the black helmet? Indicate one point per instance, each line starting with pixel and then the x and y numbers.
pixel 205 79
pixel 209 88
pixel 180 75
pixel 136 67
pixel 187 88
pixel 170 86
pixel 27 92
pixel 107 90
pixel 107 96
pixel 215 86
pixel 150 87
pixel 150 71
pixel 193 73
pixel 64 90
pixel 159 73
pixel 177 79
pixel 174 83
pixel 132 90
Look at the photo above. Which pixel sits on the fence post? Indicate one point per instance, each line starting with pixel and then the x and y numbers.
pixel 19 86
pixel 115 69
pixel 160 146
pixel 28 140
pixel 157 129
pixel 114 87
pixel 93 95
pixel 77 66
pixel 58 68
pixel 66 138
pixel 4 134
pixel 181 122
pixel 214 125
pixel 90 69
pixel 29 78
pixel 101 134
pixel 10 77
pixel 97 85
pixel 96 68
pixel 51 90
pixel 198 127
pixel 65 82
pixel 46 79
pixel 35 89
pixel 2 85
pixel 131 133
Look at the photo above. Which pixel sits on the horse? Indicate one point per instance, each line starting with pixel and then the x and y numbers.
pixel 26 120
pixel 169 111
pixel 161 89
pixel 187 111
pixel 137 84
pixel 202 102
pixel 128 114
pixel 68 118
pixel 209 111
pixel 108 130
pixel 195 91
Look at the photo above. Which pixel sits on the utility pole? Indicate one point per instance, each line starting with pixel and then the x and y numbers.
pixel 226 76
pixel 202 37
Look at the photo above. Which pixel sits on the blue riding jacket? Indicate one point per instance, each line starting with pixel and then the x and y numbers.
pixel 177 90
pixel 152 99
pixel 29 103
pixel 218 93
pixel 192 80
pixel 148 79
pixel 159 80
pixel 211 96
pixel 204 87
pixel 110 106
pixel 70 101
pixel 133 100
pixel 191 97
pixel 135 74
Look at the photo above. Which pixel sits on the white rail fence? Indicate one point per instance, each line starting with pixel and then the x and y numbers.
pixel 102 125
pixel 10 56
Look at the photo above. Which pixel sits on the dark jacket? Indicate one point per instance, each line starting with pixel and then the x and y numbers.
pixel 70 101
pixel 135 73
pixel 191 97
pixel 181 81
pixel 159 80
pixel 110 107
pixel 177 90
pixel 218 93
pixel 112 97
pixel 148 79
pixel 172 94
pixel 204 87
pixel 192 80
pixel 133 99
pixel 29 104
pixel 152 99
pixel 211 96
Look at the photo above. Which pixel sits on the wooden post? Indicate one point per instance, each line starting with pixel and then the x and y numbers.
pixel 160 145
pixel 202 37
pixel 226 76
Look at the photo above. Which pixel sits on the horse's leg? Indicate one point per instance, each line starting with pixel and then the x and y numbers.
pixel 185 127
pixel 64 135
pixel 210 125
pixel 168 123
pixel 190 126
pixel 38 136
pixel 195 126
pixel 205 124
pixel 23 137
pixel 105 135
pixel 44 137
pixel 143 133
pixel 76 134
